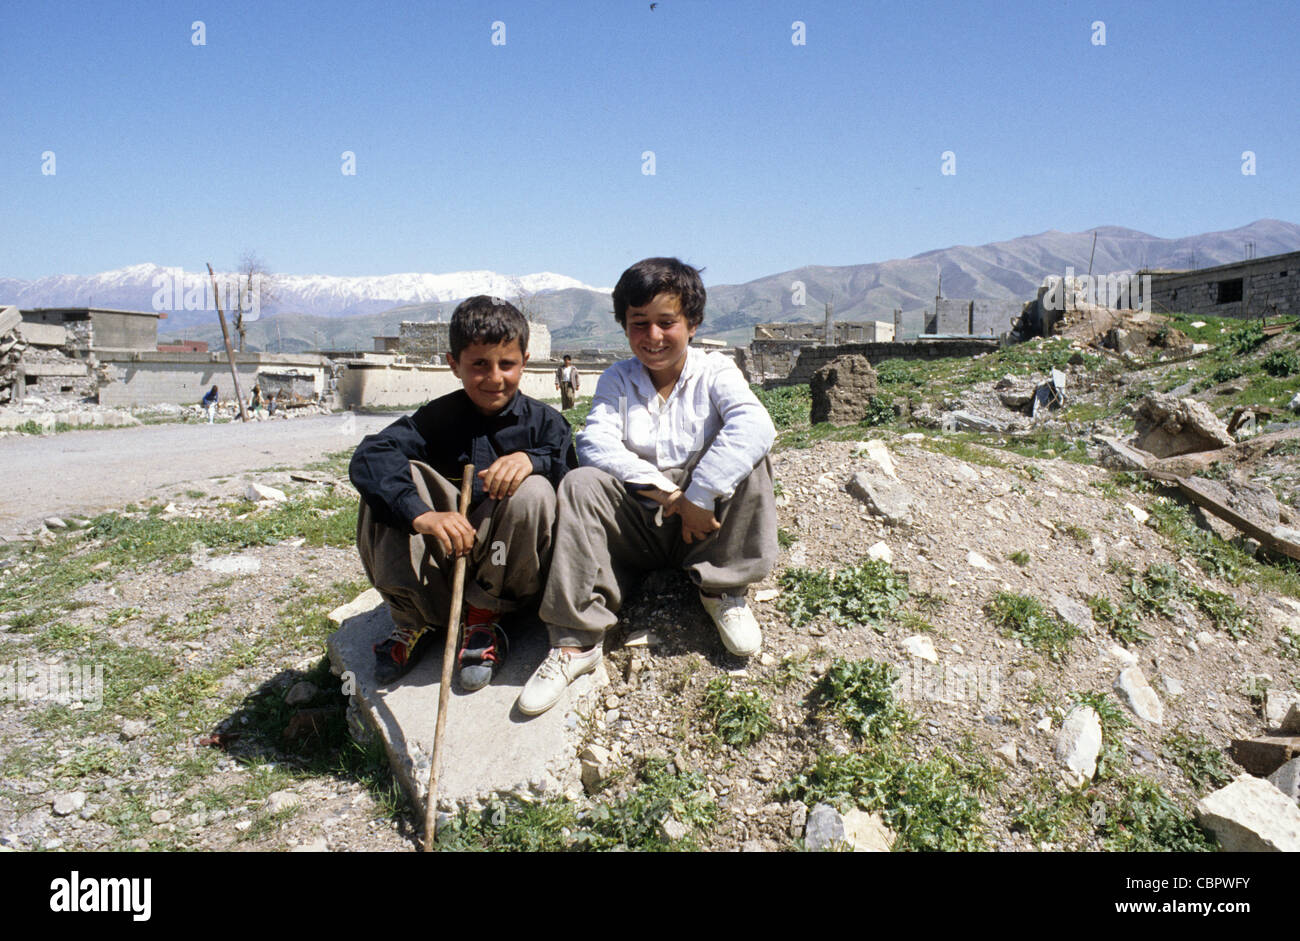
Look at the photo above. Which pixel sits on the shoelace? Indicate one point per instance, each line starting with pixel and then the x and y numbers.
pixel 553 665
pixel 486 654
pixel 404 638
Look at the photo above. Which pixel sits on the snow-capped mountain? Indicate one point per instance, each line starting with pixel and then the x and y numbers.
pixel 155 287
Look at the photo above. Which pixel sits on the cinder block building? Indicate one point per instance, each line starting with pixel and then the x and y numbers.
pixel 1254 287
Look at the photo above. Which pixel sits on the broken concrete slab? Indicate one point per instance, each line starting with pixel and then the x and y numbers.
pixel 1167 426
pixel 877 451
pixel 256 492
pixel 1073 612
pixel 368 600
pixel 885 497
pixel 1277 703
pixel 10 317
pixel 966 420
pixel 489 748
pixel 1250 815
pixel 1262 756
pixel 1287 779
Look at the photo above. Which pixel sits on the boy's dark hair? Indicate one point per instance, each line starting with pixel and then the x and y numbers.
pixel 568 358
pixel 484 319
pixel 650 277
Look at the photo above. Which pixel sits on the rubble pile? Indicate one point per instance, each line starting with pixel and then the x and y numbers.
pixel 12 345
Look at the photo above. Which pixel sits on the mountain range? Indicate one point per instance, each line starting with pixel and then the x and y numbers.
pixel 325 311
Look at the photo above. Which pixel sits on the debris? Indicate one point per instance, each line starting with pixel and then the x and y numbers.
pixel 1251 815
pixel 975 560
pixel 1138 513
pixel 1078 744
pixel 877 451
pixel 133 728
pixel 1287 779
pixel 595 767
pixel 921 647
pixel 842 390
pixel 1137 693
pixel 1167 426
pixel 66 804
pixel 256 492
pixel 1007 753
pixel 827 829
pixel 53 522
pixel 673 829
pixel 368 600
pixel 1262 756
pixel 280 801
pixel 1278 704
pixel 766 594
pixel 966 420
pixel 160 817
pixel 1073 612
pixel 881 553
pixel 884 497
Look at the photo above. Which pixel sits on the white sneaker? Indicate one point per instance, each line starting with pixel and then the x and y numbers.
pixel 549 681
pixel 736 624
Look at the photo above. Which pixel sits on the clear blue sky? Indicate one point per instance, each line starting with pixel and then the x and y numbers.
pixel 527 156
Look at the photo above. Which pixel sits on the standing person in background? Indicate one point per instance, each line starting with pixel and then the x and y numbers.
pixel 210 403
pixel 566 380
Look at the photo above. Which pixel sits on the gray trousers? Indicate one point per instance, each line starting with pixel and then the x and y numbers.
pixel 503 572
pixel 605 539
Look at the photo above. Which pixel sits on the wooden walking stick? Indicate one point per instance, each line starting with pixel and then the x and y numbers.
pixel 448 659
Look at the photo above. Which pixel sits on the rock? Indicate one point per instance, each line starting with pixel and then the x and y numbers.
pixel 965 420
pixel 1137 693
pixel 1262 756
pixel 243 825
pixel 317 845
pixel 1138 513
pixel 1015 392
pixel 1007 753
pixel 766 594
pixel 66 804
pixel 867 833
pixel 1277 703
pixel 1078 744
pixel 975 560
pixel 921 647
pixel 133 728
pixel 842 390
pixel 1172 686
pixel 878 452
pixel 824 829
pixel 1167 426
pixel 595 767
pixel 884 497
pixel 160 816
pixel 753 846
pixel 1294 404
pixel 256 492
pixel 1251 815
pixel 368 600
pixel 1126 657
pixel 673 829
pixel 301 693
pixel 798 819
pixel 1291 721
pixel 1287 779
pixel 54 522
pixel 280 801
pixel 881 552
pixel 234 564
pixel 1073 612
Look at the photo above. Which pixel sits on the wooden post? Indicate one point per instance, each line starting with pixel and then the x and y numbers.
pixel 230 353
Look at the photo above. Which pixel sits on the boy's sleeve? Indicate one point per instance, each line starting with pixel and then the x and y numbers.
pixel 381 469
pixel 601 442
pixel 746 436
pixel 552 455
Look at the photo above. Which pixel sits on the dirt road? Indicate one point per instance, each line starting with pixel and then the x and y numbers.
pixel 87 472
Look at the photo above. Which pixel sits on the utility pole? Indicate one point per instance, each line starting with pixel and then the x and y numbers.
pixel 230 353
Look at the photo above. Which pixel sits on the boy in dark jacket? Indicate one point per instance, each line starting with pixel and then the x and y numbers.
pixel 409 530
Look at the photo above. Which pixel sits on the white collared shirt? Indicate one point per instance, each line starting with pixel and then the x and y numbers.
pixel 635 434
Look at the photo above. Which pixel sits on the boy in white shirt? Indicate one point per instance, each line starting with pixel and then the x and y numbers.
pixel 675 472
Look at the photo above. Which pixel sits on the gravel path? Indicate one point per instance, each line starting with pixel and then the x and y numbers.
pixel 87 472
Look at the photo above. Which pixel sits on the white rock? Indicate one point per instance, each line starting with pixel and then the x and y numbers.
pixel 975 560
pixel 877 451
pixel 317 845
pixel 921 647
pixel 54 522
pixel 234 564
pixel 256 492
pixel 766 594
pixel 1294 404
pixel 1139 514
pixel 66 804
pixel 133 728
pixel 1044 724
pixel 368 600
pixel 867 833
pixel 1007 753
pixel 243 825
pixel 160 816
pixel 1078 744
pixel 914 436
pixel 1251 815
pixel 673 829
pixel 1126 657
pixel 1172 686
pixel 1197 324
pixel 282 800
pixel 1277 703
pixel 1137 693
pixel 995 510
pixel 881 552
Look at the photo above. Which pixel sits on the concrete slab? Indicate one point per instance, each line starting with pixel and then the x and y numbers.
pixel 489 747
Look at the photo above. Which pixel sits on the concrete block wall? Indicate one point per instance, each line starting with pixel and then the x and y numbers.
pixel 1270 282
pixel 363 385
pixel 812 358
pixel 952 316
pixel 183 378
pixel 427 341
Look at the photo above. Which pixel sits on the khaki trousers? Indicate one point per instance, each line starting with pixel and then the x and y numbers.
pixel 504 570
pixel 605 538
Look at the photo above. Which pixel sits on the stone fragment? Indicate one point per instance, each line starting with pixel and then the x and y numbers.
pixel 824 829
pixel 877 451
pixel 160 817
pixel 966 420
pixel 256 492
pixel 133 728
pixel 301 693
pixel 1138 695
pixel 1007 753
pixel 975 560
pixel 884 497
pixel 1078 744
pixel 1277 703
pixel 1287 779
pixel 881 552
pixel 1251 815
pixel 1262 756
pixel 280 801
pixel 368 600
pixel 867 833
pixel 1139 514
pixel 673 829
pixel 54 522
pixel 595 767
pixel 921 647
pixel 1167 426
pixel 1291 721
pixel 1172 686
pixel 66 804
pixel 766 594
pixel 1073 612
pixel 318 845
pixel 842 390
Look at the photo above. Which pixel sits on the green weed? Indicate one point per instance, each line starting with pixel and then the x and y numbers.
pixel 1122 621
pixel 1026 619
pixel 1201 762
pixel 860 694
pixel 866 593
pixel 739 718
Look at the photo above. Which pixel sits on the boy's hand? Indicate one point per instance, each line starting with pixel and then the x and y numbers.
pixel 697 522
pixel 505 475
pixel 452 530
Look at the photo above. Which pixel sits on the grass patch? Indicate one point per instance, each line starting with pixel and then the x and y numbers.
pixel 1122 621
pixel 1020 557
pixel 1025 618
pixel 865 593
pixel 789 406
pixel 1147 820
pixel 1199 759
pixel 1162 587
pixel 1288 644
pixel 860 694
